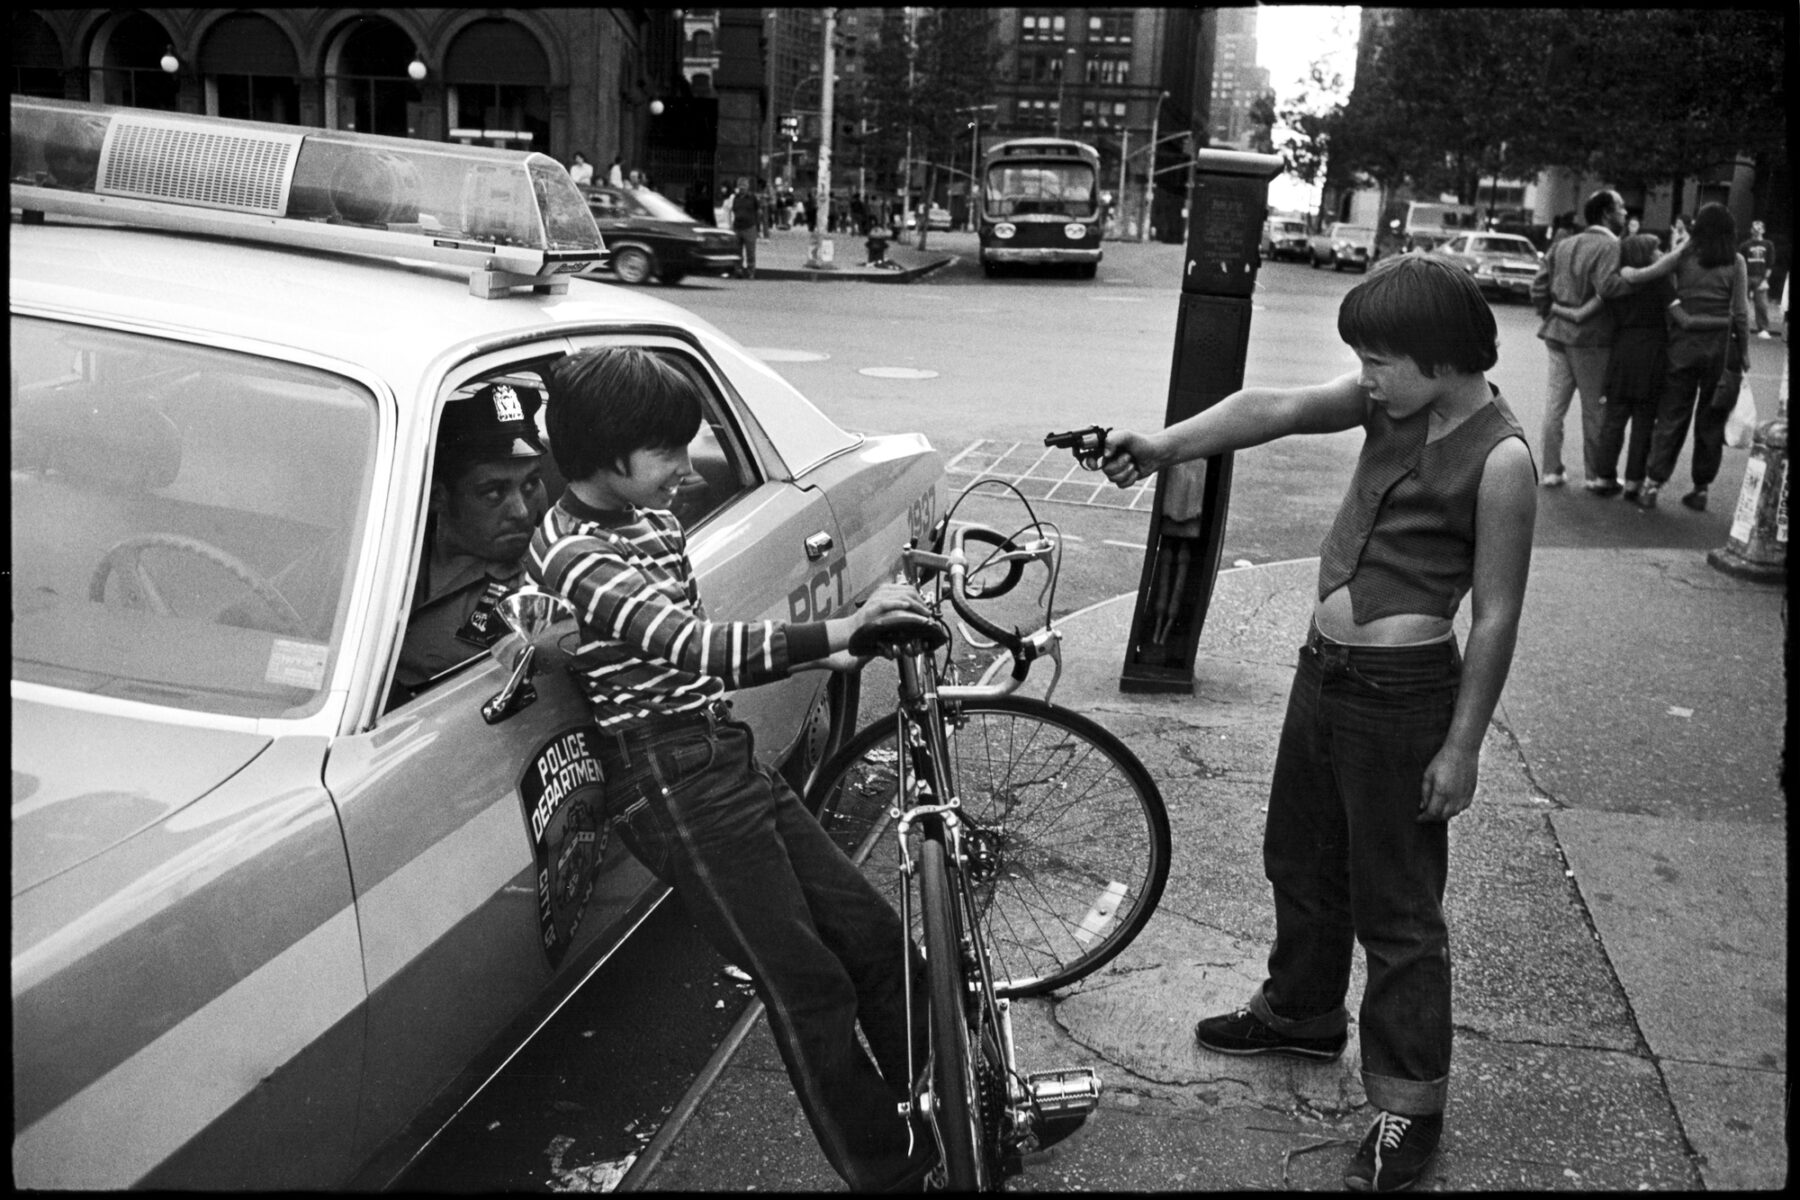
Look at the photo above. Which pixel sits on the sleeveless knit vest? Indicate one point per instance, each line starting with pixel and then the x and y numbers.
pixel 1404 538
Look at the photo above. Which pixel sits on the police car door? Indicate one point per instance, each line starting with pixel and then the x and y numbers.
pixel 486 885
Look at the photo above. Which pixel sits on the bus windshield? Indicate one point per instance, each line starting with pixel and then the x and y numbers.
pixel 1017 189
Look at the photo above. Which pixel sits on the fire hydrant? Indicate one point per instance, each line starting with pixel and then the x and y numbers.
pixel 1757 547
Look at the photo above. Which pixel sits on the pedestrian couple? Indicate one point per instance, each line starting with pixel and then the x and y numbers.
pixel 1644 339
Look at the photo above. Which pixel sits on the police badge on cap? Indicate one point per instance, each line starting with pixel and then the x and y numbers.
pixel 499 421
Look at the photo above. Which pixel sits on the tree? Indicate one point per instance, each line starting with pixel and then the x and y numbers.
pixel 928 79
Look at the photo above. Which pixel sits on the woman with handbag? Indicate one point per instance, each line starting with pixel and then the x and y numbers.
pixel 1710 312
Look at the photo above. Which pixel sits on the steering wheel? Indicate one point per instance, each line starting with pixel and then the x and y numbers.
pixel 138 590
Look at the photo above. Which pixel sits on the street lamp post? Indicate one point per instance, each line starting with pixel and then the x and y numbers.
pixel 821 248
pixel 1150 169
pixel 1062 79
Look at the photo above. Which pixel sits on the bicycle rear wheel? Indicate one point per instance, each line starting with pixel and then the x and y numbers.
pixel 955 1088
pixel 1067 835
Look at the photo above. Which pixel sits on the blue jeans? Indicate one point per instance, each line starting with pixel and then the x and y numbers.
pixel 771 891
pixel 1349 863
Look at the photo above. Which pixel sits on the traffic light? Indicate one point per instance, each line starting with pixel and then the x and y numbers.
pixel 790 126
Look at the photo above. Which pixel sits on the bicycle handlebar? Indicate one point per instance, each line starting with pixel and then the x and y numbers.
pixel 1025 648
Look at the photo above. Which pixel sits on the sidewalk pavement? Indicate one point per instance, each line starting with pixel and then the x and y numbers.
pixel 785 252
pixel 1618 913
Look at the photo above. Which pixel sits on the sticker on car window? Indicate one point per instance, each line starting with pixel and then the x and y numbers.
pixel 563 791
pixel 296 664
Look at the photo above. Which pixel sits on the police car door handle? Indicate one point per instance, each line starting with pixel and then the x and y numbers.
pixel 818 545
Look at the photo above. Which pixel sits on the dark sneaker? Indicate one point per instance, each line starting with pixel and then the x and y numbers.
pixel 1646 497
pixel 1394 1153
pixel 1241 1033
pixel 1604 487
pixel 1696 499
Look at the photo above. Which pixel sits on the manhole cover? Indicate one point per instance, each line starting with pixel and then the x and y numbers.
pixel 777 354
pixel 897 372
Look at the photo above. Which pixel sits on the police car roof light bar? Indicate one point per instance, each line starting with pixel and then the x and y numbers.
pixel 515 218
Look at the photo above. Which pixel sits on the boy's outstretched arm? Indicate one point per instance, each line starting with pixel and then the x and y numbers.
pixel 1248 417
pixel 1504 512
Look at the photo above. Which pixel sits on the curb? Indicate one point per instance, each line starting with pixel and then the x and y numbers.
pixel 908 275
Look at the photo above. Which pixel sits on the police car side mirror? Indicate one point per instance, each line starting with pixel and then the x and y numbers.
pixel 529 613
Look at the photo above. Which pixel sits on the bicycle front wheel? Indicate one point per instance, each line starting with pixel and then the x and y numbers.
pixel 955 1089
pixel 1067 836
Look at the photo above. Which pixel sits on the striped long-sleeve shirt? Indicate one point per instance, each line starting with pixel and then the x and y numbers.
pixel 646 646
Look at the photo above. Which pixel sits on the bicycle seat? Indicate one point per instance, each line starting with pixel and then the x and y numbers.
pixel 896 631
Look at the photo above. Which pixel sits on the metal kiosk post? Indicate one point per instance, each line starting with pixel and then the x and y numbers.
pixel 1228 204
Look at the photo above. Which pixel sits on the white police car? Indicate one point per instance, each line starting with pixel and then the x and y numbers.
pixel 268 928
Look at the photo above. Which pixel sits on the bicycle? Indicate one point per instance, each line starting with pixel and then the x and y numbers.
pixel 1042 848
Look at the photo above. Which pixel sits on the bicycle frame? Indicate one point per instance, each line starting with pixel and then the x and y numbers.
pixel 926 772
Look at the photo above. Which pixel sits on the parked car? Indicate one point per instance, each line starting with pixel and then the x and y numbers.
pixel 1283 238
pixel 1501 263
pixel 938 217
pixel 272 924
pixel 648 235
pixel 1344 245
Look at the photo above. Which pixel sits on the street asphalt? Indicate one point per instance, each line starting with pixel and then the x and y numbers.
pixel 1618 912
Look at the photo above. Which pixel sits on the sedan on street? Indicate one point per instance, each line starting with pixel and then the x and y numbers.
pixel 648 235
pixel 1502 264
pixel 1344 245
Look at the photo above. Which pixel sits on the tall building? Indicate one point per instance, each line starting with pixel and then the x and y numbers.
pixel 1237 82
pixel 1120 78
pixel 552 80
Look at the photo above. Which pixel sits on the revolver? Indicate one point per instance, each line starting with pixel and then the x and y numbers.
pixel 1086 444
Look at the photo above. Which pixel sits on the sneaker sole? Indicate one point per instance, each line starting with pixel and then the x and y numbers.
pixel 1285 1051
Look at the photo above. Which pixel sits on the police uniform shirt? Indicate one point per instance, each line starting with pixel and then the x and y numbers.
pixel 453 616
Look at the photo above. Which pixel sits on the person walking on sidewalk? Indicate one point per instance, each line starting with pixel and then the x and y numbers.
pixel 1711 299
pixel 746 222
pixel 1577 269
pixel 1382 738
pixel 1759 257
pixel 764 882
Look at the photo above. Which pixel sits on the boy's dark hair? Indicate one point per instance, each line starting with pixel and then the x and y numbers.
pixel 1416 307
pixel 1597 206
pixel 1715 235
pixel 607 402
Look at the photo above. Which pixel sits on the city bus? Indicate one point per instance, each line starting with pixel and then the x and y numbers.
pixel 1039 204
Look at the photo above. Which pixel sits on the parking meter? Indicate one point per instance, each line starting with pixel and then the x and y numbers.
pixel 1227 207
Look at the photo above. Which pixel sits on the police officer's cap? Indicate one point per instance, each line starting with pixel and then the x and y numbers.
pixel 499 421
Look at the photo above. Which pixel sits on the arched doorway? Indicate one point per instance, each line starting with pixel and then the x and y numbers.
pixel 249 70
pixel 497 88
pixel 125 65
pixel 36 57
pixel 367 89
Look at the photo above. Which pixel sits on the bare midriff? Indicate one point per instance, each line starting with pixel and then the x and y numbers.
pixel 1337 621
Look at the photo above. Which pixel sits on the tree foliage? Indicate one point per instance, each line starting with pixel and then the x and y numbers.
pixel 953 58
pixel 1451 97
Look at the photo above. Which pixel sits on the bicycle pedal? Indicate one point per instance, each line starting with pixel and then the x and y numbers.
pixel 1071 1092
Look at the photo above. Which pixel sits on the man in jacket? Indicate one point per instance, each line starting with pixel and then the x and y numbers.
pixel 1576 269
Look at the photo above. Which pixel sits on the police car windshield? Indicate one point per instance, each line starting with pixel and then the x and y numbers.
pixel 184 519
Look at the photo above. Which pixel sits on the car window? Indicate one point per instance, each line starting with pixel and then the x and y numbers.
pixel 603 204
pixel 659 206
pixel 184 519
pixel 437 644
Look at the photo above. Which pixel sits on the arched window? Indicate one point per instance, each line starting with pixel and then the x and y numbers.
pixel 125 64
pixel 497 88
pixel 37 57
pixel 250 70
pixel 366 85
pixel 701 44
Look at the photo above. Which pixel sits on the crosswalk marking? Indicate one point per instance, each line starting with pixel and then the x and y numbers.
pixel 1042 473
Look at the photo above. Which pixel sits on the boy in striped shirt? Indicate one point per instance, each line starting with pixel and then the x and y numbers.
pixel 764 883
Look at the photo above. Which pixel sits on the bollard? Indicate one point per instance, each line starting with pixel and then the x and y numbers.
pixel 1757 547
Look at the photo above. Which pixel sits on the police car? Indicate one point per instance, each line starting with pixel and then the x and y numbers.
pixel 273 919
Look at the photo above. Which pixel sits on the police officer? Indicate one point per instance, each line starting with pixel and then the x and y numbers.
pixel 487 495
